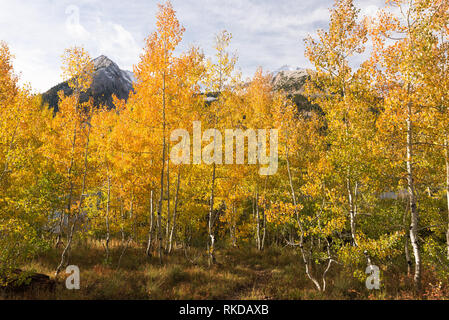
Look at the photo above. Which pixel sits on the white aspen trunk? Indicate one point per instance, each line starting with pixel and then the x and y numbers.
pixel 173 229
pixel 446 158
pixel 159 209
pixel 135 227
pixel 108 234
pixel 167 226
pixel 328 265
pixel 161 196
pixel 264 219
pixel 413 206
pixel 66 250
pixel 131 214
pixel 407 240
pixel 69 200
pixel 211 242
pixel 352 212
pixel 259 244
pixel 255 217
pixel 233 227
pixel 150 233
pixel 298 220
pixel 123 218
pixel 264 230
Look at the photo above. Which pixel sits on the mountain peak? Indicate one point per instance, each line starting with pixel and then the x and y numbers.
pixel 103 62
pixel 291 81
pixel 108 80
pixel 286 68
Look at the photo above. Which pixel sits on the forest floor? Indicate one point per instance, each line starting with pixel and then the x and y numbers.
pixel 245 273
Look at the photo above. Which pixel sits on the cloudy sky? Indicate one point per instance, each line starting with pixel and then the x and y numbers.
pixel 267 33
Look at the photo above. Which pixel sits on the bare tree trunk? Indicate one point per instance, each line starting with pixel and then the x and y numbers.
pixel 123 251
pixel 406 223
pixel 69 200
pixel 150 233
pixel 167 227
pixel 446 158
pixel 136 227
pixel 125 247
pixel 352 211
pixel 264 218
pixel 233 227
pixel 83 190
pixel 161 196
pixel 60 233
pixel 159 212
pixel 259 245
pixel 254 216
pixel 122 231
pixel 328 265
pixel 413 206
pixel 211 242
pixel 298 220
pixel 264 229
pixel 108 234
pixel 173 229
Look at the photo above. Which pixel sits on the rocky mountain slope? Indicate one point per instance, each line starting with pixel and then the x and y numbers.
pixel 292 81
pixel 108 80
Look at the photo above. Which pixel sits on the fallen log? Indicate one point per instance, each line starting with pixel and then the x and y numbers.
pixel 21 281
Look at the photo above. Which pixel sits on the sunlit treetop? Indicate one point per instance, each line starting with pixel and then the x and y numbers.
pixel 77 68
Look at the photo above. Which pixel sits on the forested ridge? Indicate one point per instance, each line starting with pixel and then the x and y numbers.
pixel 362 178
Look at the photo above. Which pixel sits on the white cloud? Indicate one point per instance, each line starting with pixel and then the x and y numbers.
pixel 115 41
pixel 77 31
pixel 267 33
pixel 73 25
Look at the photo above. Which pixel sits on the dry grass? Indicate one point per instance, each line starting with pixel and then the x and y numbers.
pixel 239 274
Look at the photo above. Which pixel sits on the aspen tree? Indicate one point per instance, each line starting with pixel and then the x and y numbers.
pixel 219 79
pixel 397 38
pixel 78 70
pixel 156 88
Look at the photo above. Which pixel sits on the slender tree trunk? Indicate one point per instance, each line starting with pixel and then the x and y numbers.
pixel 161 196
pixel 136 227
pixel 122 216
pixel 446 158
pixel 233 227
pixel 108 234
pixel 298 220
pixel 173 229
pixel 167 227
pixel 211 242
pixel 150 233
pixel 66 250
pixel 69 199
pixel 352 212
pixel 159 216
pixel 259 244
pixel 131 214
pixel 264 218
pixel 328 246
pixel 60 233
pixel 264 229
pixel 406 227
pixel 413 206
pixel 125 247
pixel 254 216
